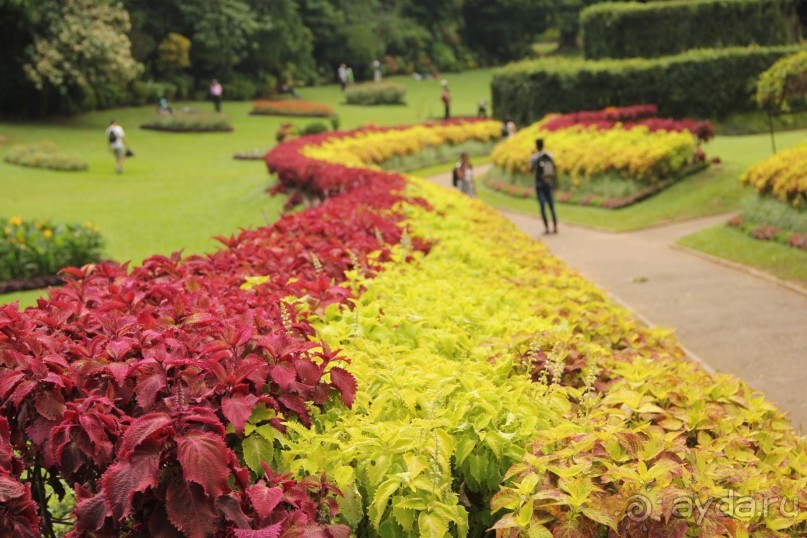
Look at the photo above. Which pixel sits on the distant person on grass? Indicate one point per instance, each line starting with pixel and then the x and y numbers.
pixel 216 92
pixel 117 144
pixel 342 74
pixel 446 98
pixel 543 165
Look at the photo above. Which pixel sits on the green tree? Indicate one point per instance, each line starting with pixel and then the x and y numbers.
pixel 82 53
pixel 504 30
pixel 174 54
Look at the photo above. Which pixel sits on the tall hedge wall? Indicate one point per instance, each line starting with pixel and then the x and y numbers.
pixel 653 29
pixel 701 83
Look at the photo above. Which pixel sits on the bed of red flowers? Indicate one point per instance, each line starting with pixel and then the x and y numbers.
pixel 629 117
pixel 291 107
pixel 133 386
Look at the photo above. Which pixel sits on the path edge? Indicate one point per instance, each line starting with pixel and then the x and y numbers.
pixel 742 268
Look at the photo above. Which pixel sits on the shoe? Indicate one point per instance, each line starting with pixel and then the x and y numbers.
pixel 547 232
pixel 118 169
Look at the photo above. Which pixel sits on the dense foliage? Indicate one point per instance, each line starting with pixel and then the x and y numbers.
pixel 610 157
pixel 783 176
pixel 193 121
pixel 290 107
pixel 43 155
pixel 486 345
pixel 252 46
pixel 31 249
pixel 784 84
pixel 698 83
pixel 663 28
pixel 385 93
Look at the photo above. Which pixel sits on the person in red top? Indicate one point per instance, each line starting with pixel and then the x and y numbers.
pixel 446 97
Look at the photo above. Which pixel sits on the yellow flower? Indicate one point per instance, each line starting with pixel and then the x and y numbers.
pixel 37 225
pixel 48 234
pixel 15 221
pixel 88 224
pixel 7 230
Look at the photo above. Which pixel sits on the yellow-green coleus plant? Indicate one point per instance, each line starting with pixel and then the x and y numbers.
pixel 499 389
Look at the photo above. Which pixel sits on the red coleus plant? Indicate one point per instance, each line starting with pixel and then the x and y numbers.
pixel 123 382
pixel 630 117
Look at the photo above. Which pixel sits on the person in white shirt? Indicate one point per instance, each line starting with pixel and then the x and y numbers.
pixel 117 144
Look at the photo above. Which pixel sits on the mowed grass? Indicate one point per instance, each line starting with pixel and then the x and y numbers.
pixel 181 189
pixel 711 192
pixel 784 262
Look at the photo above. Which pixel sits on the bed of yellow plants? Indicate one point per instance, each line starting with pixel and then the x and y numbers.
pixel 372 147
pixel 783 176
pixel 586 152
pixel 499 389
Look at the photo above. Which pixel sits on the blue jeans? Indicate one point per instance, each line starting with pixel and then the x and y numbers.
pixel 546 197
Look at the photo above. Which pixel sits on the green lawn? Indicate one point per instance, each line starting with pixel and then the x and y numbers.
pixel 725 242
pixel 182 189
pixel 716 190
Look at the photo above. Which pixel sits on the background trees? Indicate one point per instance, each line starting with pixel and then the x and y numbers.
pixel 64 56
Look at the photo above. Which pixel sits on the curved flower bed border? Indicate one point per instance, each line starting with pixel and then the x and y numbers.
pixel 291 107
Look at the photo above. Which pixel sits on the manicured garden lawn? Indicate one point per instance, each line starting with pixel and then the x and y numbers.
pixel 180 190
pixel 715 191
pixel 784 262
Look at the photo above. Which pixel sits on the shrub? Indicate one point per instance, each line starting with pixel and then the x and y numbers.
pixel 150 92
pixel 699 83
pixel 189 122
pixel 30 249
pixel 385 93
pixel 290 107
pixel 663 28
pixel 44 155
pixel 783 176
pixel 784 84
pixel 313 128
pixel 767 210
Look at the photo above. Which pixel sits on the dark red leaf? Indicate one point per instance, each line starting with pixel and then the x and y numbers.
pixel 267 532
pixel 141 429
pixel 283 374
pixel 10 488
pixel 238 409
pixel 345 383
pixel 91 512
pixel 137 473
pixel 50 404
pixel 203 457
pixel 264 499
pixel 190 510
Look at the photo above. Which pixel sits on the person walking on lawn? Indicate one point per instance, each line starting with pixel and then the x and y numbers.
pixel 117 144
pixel 543 165
pixel 216 92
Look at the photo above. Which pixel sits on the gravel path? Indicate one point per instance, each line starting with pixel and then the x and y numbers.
pixel 732 320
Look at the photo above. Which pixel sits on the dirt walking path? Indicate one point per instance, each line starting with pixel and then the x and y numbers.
pixel 735 322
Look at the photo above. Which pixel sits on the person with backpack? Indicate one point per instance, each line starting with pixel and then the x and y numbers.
pixel 463 176
pixel 543 165
pixel 117 144
pixel 446 98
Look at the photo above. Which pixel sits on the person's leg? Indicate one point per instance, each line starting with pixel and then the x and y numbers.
pixel 542 201
pixel 550 198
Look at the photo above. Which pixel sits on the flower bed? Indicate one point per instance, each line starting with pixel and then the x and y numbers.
pixel 30 250
pixel 44 155
pixel 189 122
pixel 371 93
pixel 783 176
pixel 175 393
pixel 291 107
pixel 612 158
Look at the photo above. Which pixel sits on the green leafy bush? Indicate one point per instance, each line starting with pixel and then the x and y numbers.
pixel 44 155
pixel 30 249
pixel 700 83
pixel 386 93
pixel 773 212
pixel 652 29
pixel 313 128
pixel 785 83
pixel 189 121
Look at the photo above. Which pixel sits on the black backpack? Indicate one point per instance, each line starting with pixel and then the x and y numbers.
pixel 113 136
pixel 455 176
pixel 545 170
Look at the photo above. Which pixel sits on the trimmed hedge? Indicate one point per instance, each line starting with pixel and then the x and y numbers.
pixel 701 83
pixel 653 29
